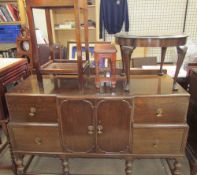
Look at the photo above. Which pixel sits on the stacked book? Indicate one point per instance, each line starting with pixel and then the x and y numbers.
pixel 9 13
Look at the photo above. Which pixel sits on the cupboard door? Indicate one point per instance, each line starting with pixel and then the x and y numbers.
pixel 77 125
pixel 113 126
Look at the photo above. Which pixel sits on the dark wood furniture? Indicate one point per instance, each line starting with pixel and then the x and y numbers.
pixel 105 51
pixel 11 70
pixel 24 46
pixel 192 121
pixel 77 68
pixel 128 42
pixel 55 117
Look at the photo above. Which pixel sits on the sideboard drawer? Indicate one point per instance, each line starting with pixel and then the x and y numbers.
pixel 171 109
pixel 32 108
pixel 41 138
pixel 159 140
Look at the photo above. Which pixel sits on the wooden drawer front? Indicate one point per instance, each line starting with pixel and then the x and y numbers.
pixel 32 109
pixel 159 140
pixel 160 109
pixel 42 138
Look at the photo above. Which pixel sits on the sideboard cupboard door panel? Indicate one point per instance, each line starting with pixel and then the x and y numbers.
pixel 77 125
pixel 171 109
pixel 113 126
pixel 40 138
pixel 159 140
pixel 32 109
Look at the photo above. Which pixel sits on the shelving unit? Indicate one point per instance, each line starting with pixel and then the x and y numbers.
pixel 62 35
pixel 21 7
pixel 10 29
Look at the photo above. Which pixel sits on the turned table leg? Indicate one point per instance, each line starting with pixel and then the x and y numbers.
pixel 128 167
pixel 65 166
pixel 126 52
pixel 19 164
pixel 163 55
pixel 181 50
pixel 177 167
pixel 123 64
pixel 5 129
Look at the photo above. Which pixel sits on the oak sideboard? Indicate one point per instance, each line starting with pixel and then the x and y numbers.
pixel 54 117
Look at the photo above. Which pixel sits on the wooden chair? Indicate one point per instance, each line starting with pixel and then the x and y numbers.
pixel 75 68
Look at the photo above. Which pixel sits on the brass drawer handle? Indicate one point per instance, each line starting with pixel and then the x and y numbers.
pixel 90 129
pixel 100 129
pixel 32 112
pixel 38 141
pixel 156 144
pixel 159 113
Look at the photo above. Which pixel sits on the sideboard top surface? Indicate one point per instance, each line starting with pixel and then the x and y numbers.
pixel 143 85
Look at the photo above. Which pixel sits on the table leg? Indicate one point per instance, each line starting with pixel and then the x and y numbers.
pixel 181 50
pixel 129 167
pixel 177 167
pixel 65 166
pixel 126 52
pixel 20 166
pixel 5 129
pixel 123 65
pixel 163 55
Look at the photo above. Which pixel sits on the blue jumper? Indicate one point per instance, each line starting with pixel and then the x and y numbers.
pixel 113 13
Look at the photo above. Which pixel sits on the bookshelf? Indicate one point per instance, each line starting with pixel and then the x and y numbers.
pixel 63 28
pixel 9 17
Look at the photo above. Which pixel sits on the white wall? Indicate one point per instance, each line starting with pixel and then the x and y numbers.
pixel 161 16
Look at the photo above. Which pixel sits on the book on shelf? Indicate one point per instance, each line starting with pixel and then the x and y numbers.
pixel 2 17
pixel 10 9
pixel 9 13
pixel 8 54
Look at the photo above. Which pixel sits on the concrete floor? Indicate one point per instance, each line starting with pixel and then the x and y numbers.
pixel 95 166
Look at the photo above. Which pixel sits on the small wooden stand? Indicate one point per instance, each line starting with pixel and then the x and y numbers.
pixel 106 51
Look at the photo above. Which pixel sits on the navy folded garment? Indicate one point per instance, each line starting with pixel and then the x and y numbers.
pixel 113 13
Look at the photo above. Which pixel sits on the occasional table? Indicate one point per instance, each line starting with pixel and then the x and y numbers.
pixel 128 42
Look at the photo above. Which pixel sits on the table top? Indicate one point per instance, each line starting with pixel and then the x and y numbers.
pixel 6 63
pixel 150 35
pixel 150 40
pixel 140 85
pixel 7 46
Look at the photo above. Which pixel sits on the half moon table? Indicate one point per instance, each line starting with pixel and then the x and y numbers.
pixel 128 42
